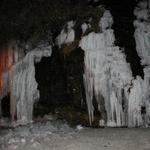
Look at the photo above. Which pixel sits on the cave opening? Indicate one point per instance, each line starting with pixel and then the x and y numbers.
pixel 5 107
pixel 51 85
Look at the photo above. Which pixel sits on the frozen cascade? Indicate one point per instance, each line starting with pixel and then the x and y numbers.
pixel 9 54
pixel 23 86
pixel 142 38
pixel 107 74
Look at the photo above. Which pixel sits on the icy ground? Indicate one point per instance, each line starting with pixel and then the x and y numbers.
pixel 57 135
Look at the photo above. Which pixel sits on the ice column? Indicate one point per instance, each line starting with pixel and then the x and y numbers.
pixel 142 38
pixel 19 81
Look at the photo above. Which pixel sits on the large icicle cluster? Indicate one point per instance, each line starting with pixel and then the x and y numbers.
pixel 142 38
pixel 107 74
pixel 23 86
pixel 108 77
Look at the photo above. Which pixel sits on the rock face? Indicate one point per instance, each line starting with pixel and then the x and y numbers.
pixel 21 84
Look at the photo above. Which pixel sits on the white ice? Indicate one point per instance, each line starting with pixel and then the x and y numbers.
pixel 142 39
pixel 107 74
pixel 22 85
pixel 67 34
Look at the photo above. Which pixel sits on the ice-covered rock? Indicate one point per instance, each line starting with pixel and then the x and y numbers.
pixel 106 21
pixel 67 35
pixel 108 76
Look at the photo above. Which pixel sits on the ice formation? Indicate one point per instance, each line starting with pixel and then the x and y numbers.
pixel 106 21
pixel 142 39
pixel 142 32
pixel 86 25
pixel 67 34
pixel 135 103
pixel 22 86
pixel 9 55
pixel 107 74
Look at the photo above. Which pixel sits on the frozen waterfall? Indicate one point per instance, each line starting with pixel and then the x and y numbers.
pixel 107 74
pixel 142 39
pixel 22 86
pixel 108 78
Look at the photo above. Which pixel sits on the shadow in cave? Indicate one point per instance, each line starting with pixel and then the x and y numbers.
pixel 60 82
pixel 5 107
pixel 50 76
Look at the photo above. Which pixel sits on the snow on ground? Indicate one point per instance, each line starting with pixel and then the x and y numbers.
pixel 57 135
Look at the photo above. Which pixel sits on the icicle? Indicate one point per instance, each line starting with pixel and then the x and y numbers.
pixel 142 38
pixel 17 77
